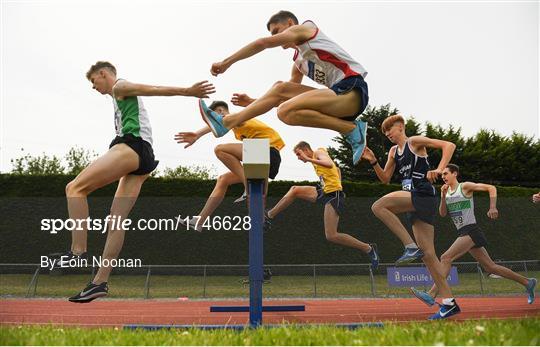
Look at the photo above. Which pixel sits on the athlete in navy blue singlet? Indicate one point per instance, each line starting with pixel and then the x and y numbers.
pixel 417 198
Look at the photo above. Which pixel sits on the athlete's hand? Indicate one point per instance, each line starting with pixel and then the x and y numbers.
pixel 536 198
pixel 186 137
pixel 218 68
pixel 433 175
pixel 444 189
pixel 201 89
pixel 368 155
pixel 241 99
pixel 493 213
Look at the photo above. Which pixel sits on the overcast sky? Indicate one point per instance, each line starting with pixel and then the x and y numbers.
pixel 473 65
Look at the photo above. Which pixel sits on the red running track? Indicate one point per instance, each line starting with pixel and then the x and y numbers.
pixel 123 312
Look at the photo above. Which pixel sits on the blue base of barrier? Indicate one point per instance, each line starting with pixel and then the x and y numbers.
pixel 350 326
pixel 286 308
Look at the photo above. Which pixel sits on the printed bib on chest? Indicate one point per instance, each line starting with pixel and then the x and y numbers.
pixel 311 70
pixel 406 184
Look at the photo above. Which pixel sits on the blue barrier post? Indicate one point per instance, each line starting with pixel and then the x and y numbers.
pixel 256 203
pixel 256 162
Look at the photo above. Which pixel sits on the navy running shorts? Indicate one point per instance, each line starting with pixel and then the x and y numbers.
pixel 425 205
pixel 353 83
pixel 336 199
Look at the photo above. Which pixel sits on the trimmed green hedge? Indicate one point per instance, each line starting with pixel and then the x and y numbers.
pixel 52 186
pixel 297 236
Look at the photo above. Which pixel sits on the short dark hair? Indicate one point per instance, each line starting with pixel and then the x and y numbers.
pixel 453 168
pixel 281 16
pixel 302 145
pixel 217 104
pixel 98 66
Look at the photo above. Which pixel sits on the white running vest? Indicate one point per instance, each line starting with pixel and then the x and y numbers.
pixel 324 61
pixel 460 208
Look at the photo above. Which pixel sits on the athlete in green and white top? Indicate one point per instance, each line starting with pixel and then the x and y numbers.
pixel 457 200
pixel 129 161
pixel 130 117
pixel 460 208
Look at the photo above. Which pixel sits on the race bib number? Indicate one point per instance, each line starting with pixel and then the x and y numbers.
pixel 311 70
pixel 457 218
pixel 458 221
pixel 406 184
pixel 318 74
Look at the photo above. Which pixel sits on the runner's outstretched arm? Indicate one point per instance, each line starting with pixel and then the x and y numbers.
pixel 293 35
pixel 384 175
pixel 470 187
pixel 190 137
pixel 199 90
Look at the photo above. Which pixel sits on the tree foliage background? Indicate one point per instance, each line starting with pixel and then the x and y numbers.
pixel 485 157
pixel 76 159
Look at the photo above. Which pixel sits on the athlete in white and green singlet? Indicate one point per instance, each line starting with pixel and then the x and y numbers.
pixel 457 201
pixel 129 160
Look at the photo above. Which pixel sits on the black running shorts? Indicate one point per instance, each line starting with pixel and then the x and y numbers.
pixel 275 162
pixel 475 234
pixel 147 162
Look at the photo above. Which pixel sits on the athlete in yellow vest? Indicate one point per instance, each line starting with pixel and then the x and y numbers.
pixel 328 192
pixel 230 154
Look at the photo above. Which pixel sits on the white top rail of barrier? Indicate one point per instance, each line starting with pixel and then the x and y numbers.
pixel 256 158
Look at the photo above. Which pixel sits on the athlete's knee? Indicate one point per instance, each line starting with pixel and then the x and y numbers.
pixel 282 114
pixel 276 85
pixel 281 88
pixel 446 258
pixel 281 92
pixel 490 267
pixel 429 254
pixel 332 237
pixel 75 189
pixel 377 207
pixel 69 188
pixel 219 149
pixel 293 190
pixel 287 114
pixel 278 89
pixel 223 180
